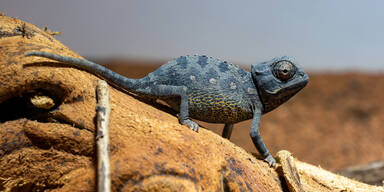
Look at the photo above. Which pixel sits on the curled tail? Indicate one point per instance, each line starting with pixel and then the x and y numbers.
pixel 93 68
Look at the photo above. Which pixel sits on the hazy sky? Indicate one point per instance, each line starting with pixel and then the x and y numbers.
pixel 325 35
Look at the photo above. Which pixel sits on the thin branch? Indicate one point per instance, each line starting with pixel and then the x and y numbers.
pixel 102 138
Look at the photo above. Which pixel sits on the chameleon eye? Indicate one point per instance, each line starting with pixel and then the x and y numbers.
pixel 283 70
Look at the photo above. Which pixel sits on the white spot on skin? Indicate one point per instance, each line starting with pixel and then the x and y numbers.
pixel 252 91
pixel 232 85
pixel 212 80
pixel 192 77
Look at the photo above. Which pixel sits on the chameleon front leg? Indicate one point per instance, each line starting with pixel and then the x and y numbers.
pixel 258 141
pixel 167 90
pixel 227 131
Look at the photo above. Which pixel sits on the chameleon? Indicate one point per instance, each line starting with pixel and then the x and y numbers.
pixel 209 89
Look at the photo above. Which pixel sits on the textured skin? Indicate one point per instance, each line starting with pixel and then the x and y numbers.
pixel 209 81
pixel 211 90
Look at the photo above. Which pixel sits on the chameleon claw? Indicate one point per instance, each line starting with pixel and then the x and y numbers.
pixel 270 160
pixel 192 125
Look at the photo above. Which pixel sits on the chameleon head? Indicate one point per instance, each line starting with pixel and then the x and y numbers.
pixel 277 81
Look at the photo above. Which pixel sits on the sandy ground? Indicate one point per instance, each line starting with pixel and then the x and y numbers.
pixel 335 122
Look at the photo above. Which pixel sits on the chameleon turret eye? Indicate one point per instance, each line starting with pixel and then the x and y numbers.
pixel 284 70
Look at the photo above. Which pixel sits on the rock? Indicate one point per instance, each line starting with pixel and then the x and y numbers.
pixel 371 173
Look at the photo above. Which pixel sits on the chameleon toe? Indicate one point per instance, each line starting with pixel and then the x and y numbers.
pixel 191 124
pixel 270 160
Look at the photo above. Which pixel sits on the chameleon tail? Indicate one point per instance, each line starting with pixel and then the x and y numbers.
pixel 93 68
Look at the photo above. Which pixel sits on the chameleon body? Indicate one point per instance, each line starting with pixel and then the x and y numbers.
pixel 210 90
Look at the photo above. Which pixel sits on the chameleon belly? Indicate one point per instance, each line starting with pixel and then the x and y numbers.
pixel 214 107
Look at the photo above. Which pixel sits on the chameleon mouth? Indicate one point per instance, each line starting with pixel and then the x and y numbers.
pixel 295 86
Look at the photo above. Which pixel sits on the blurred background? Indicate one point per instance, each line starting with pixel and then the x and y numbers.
pixel 335 122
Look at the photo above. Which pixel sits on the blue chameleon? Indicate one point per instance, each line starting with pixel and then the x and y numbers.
pixel 210 90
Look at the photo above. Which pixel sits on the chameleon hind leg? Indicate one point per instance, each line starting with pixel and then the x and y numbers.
pixel 167 90
pixel 227 131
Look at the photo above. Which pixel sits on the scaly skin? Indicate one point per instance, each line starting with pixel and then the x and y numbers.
pixel 210 90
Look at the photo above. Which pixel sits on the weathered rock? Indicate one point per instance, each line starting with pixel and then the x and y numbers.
pixel 371 173
pixel 45 147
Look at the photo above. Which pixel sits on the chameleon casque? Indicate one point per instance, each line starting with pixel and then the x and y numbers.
pixel 210 90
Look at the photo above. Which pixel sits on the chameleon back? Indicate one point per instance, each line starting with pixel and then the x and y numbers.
pixel 219 92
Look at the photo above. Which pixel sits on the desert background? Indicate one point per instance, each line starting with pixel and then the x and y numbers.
pixel 335 121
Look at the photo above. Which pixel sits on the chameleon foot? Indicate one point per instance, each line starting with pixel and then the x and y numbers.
pixel 192 125
pixel 270 160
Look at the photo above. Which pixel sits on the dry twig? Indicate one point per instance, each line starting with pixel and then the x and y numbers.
pixel 102 138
